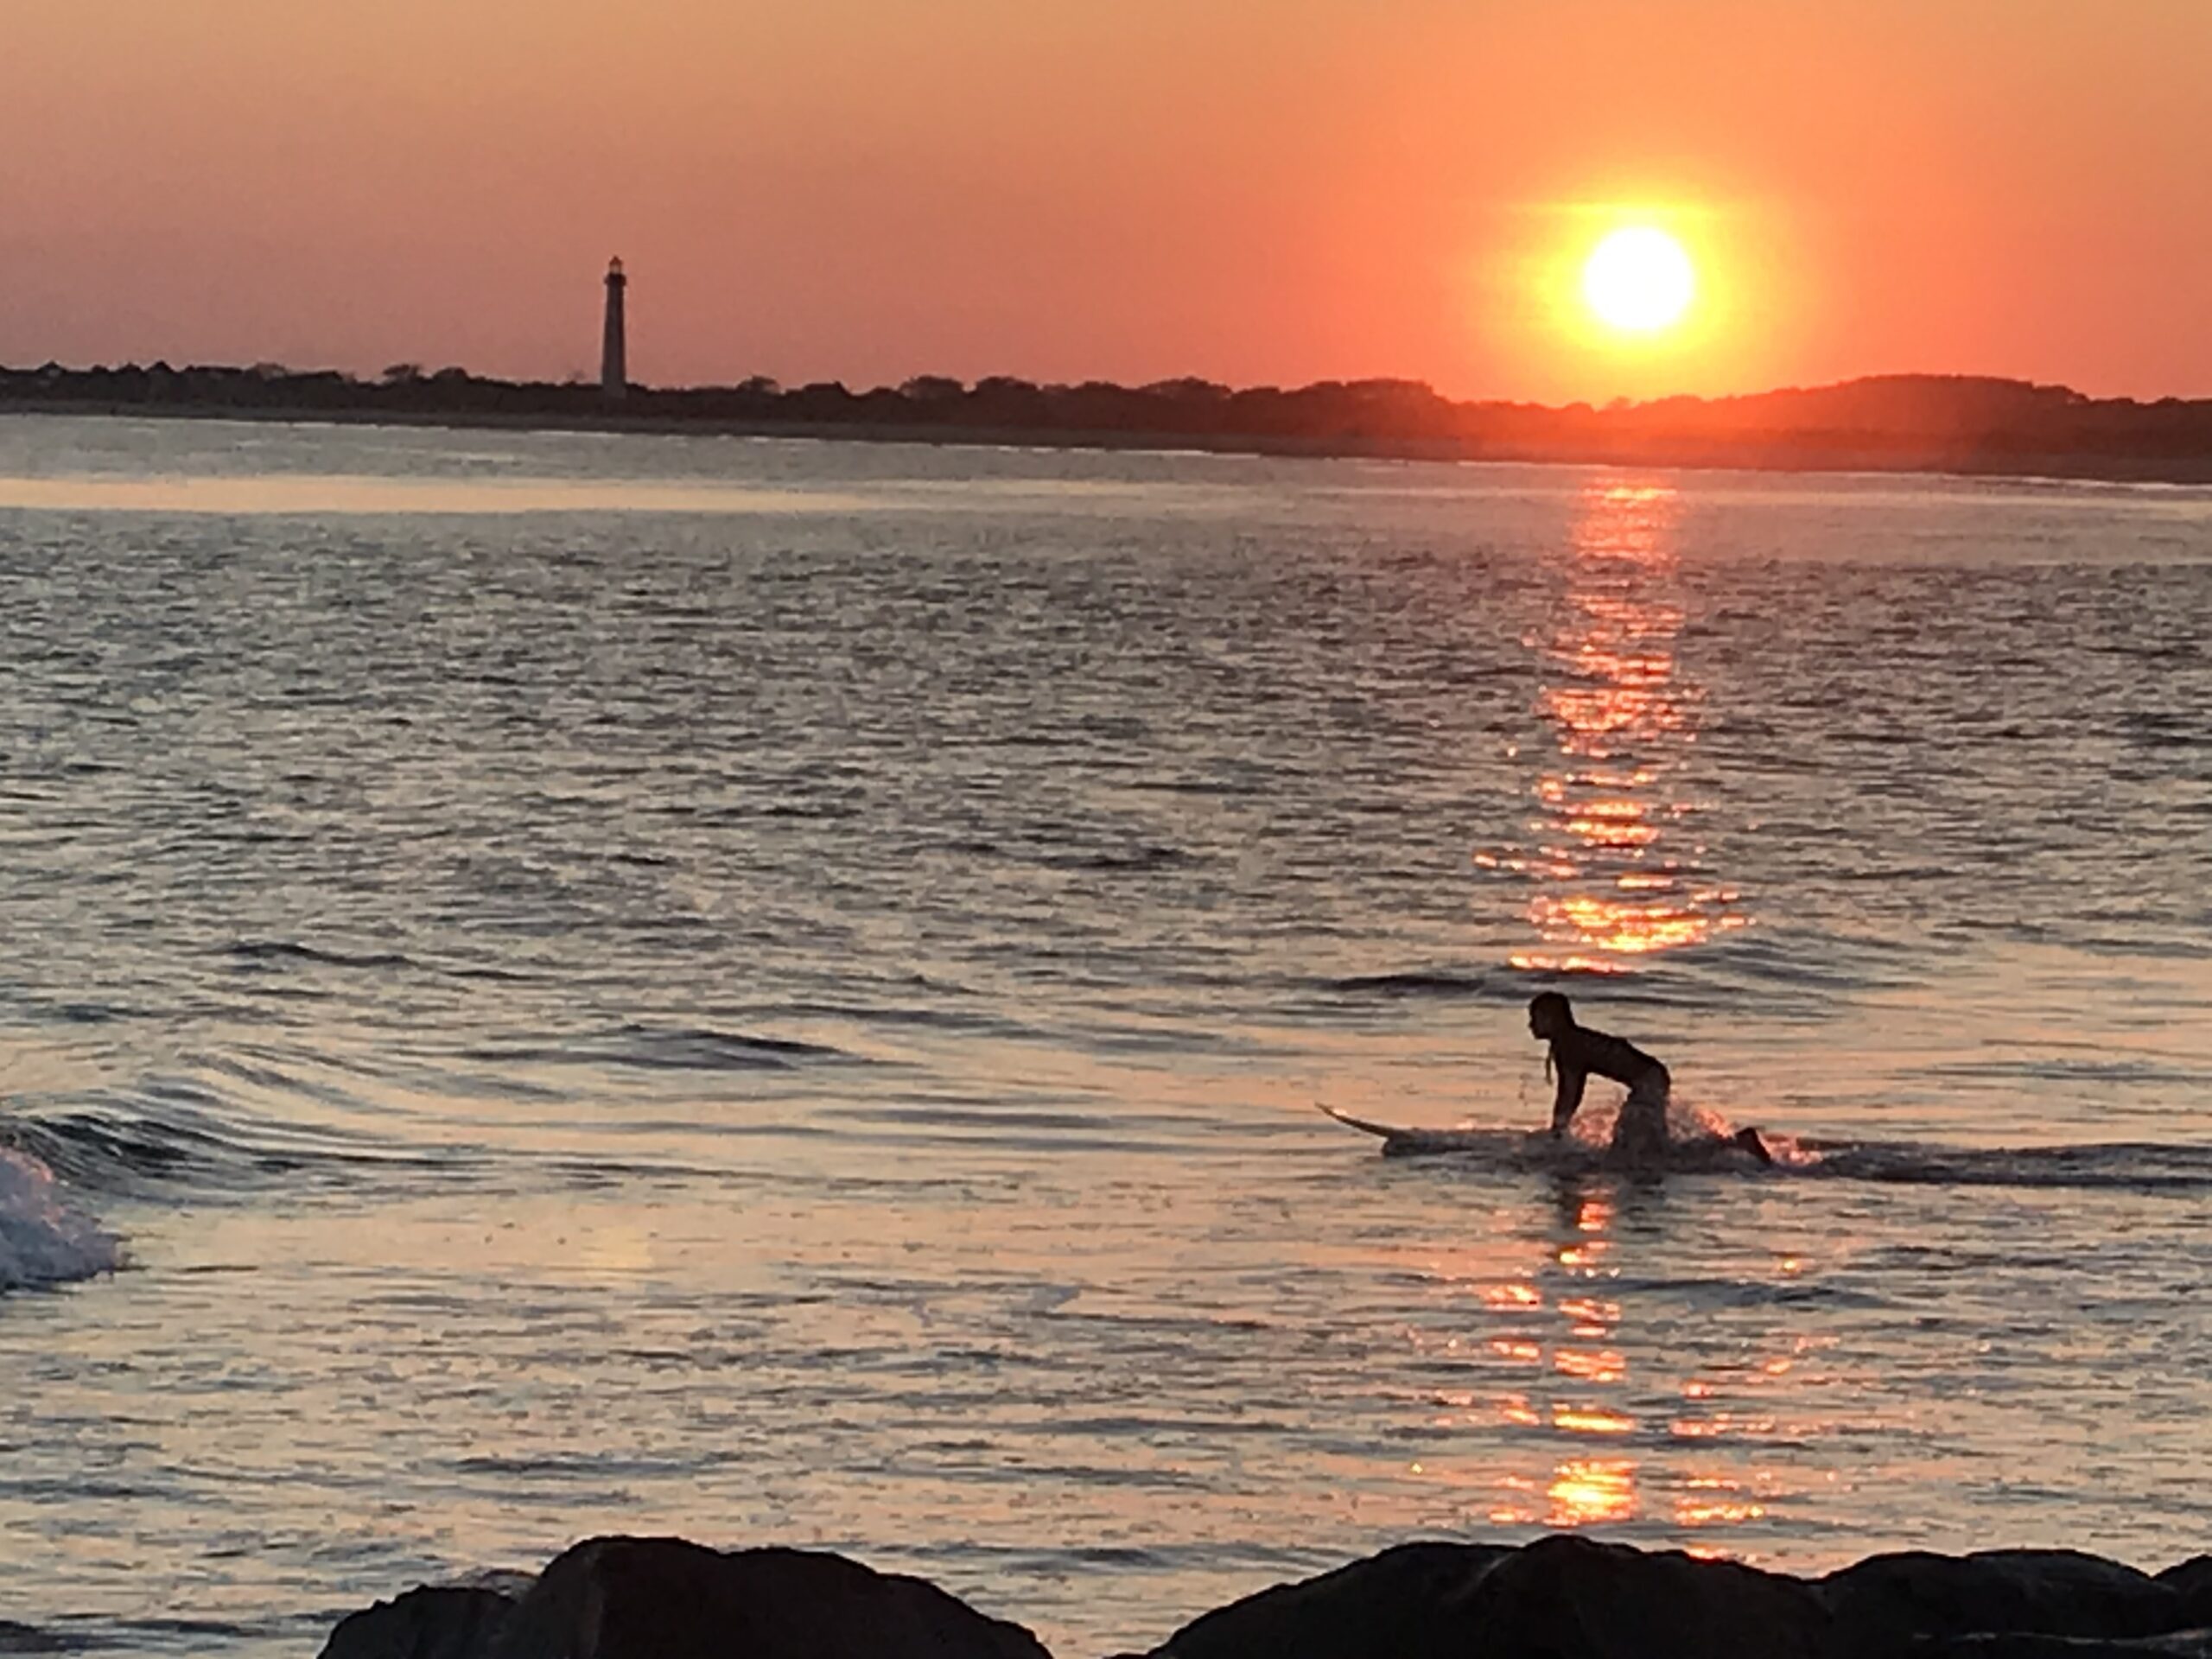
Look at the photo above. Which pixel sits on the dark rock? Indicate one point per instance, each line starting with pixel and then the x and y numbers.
pixel 1399 1604
pixel 1574 1598
pixel 1886 1603
pixel 442 1623
pixel 2192 1582
pixel 508 1581
pixel 1562 1598
pixel 664 1598
pixel 2184 1644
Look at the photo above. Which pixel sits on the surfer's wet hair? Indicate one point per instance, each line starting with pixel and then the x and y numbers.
pixel 1552 1010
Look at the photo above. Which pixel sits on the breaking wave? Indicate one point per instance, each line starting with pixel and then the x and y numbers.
pixel 43 1239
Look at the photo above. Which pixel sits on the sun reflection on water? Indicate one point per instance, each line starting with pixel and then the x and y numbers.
pixel 1589 1492
pixel 1712 1500
pixel 1615 871
pixel 1594 1423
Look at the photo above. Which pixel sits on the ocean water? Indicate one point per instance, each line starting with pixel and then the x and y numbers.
pixel 777 992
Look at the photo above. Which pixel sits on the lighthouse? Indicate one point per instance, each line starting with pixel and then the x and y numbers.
pixel 614 352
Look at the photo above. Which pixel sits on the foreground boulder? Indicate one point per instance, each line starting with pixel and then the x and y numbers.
pixel 2184 1644
pixel 1564 1597
pixel 1569 1598
pixel 2192 1581
pixel 664 1598
pixel 1560 1597
pixel 1888 1603
pixel 1407 1602
pixel 434 1623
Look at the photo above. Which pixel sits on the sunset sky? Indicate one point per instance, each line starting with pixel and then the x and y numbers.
pixel 1256 191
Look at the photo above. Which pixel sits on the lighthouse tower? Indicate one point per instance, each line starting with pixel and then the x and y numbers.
pixel 613 352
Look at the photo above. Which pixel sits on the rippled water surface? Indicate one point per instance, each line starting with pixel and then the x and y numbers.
pixel 777 991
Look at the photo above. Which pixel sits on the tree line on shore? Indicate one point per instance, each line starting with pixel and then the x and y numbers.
pixel 1893 420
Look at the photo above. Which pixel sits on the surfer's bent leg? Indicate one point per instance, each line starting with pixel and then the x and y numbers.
pixel 1641 1131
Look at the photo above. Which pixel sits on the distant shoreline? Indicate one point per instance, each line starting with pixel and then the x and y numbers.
pixel 1905 426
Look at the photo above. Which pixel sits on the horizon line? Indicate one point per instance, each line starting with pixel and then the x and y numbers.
pixel 1194 387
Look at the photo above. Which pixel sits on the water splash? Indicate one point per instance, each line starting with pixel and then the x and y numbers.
pixel 42 1240
pixel 1691 1129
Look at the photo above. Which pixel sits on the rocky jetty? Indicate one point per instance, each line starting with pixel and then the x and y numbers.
pixel 1564 1597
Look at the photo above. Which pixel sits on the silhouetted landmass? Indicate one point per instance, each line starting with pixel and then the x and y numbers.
pixel 1903 422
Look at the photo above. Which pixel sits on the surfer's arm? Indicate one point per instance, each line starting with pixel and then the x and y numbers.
pixel 1571 1079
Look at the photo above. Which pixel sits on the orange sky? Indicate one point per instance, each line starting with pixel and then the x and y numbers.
pixel 1252 190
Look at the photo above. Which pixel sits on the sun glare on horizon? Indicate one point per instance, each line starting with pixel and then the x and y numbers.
pixel 1639 279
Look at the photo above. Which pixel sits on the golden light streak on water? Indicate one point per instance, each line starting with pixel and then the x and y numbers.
pixel 1599 1366
pixel 1588 1492
pixel 1583 1421
pixel 1614 879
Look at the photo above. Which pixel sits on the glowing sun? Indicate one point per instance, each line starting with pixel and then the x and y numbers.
pixel 1639 279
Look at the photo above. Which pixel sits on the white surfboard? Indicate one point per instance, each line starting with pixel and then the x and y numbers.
pixel 1399 1142
pixel 1524 1147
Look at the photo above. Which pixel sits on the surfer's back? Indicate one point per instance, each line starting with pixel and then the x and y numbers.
pixel 1597 1053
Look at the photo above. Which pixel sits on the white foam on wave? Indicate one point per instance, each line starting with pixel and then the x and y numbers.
pixel 42 1240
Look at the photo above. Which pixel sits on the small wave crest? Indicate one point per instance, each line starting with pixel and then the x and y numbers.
pixel 2133 1166
pixel 166 1130
pixel 220 1125
pixel 2116 1166
pixel 1135 861
pixel 43 1240
pixel 277 953
pixel 1429 982
pixel 681 1048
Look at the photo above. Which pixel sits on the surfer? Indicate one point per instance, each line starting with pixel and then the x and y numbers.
pixel 1578 1052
